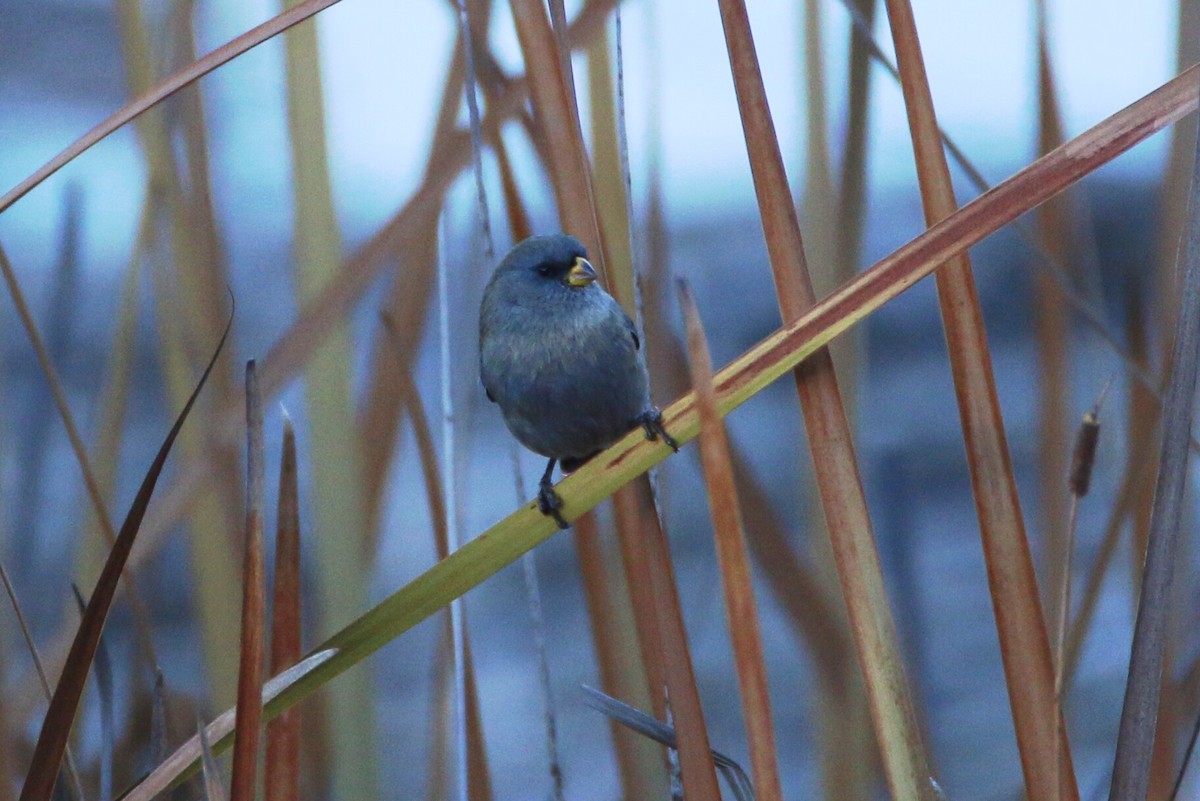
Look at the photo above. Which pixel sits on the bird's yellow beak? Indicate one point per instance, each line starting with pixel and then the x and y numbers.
pixel 582 273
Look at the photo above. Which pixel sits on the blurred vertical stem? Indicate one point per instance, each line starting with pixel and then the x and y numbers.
pixel 106 448
pixel 847 758
pixel 1024 643
pixel 1135 740
pixel 338 504
pixel 215 515
pixel 830 440
pixel 851 202
pixel 1051 326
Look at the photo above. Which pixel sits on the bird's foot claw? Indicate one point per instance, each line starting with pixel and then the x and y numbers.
pixel 549 503
pixel 651 423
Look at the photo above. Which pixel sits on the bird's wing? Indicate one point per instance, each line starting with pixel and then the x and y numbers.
pixel 488 392
pixel 637 343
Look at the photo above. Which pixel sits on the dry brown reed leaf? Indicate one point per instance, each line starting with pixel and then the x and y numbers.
pixel 741 611
pixel 1020 622
pixel 830 438
pixel 250 655
pixel 282 764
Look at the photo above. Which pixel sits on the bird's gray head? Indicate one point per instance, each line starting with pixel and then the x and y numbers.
pixel 548 263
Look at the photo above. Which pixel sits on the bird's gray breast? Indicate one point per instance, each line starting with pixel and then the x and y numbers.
pixel 568 386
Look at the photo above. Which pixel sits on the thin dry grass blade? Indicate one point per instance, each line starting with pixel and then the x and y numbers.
pixel 1051 328
pixel 834 462
pixel 851 199
pixel 213 518
pixel 635 720
pixel 114 398
pixel 72 772
pixel 1139 463
pixel 437 774
pixel 1135 740
pixel 60 399
pixel 214 779
pixel 186 759
pixel 740 608
pixel 158 720
pixel 250 661
pixel 1020 623
pixel 1173 207
pixel 764 363
pixel 104 694
pixel 56 727
pixel 282 767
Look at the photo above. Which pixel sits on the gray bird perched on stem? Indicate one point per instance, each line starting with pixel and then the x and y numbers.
pixel 561 359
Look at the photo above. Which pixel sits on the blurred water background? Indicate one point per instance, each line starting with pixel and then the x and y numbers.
pixel 62 70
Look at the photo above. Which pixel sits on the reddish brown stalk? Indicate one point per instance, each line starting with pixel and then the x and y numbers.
pixel 282 766
pixel 740 609
pixel 479 781
pixel 250 663
pixel 1024 644
pixel 834 462
pixel 697 769
pixel 639 574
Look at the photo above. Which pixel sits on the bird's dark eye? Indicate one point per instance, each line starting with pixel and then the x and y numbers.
pixel 545 270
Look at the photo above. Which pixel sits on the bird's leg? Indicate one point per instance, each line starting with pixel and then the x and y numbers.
pixel 548 501
pixel 651 422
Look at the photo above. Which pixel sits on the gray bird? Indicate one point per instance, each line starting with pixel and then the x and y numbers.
pixel 561 359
